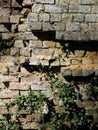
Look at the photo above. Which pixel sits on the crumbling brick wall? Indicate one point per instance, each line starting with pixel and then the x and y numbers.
pixel 32 32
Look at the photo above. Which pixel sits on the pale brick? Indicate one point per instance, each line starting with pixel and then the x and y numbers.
pixel 66 71
pixel 29 36
pixel 72 27
pixel 19 43
pixel 49 44
pixel 22 27
pixel 45 1
pixel 52 8
pixel 55 17
pixel 4 19
pixel 25 52
pixel 8 78
pixel 88 2
pixel 35 25
pixel 44 17
pixel 35 44
pixel 18 86
pixel 84 9
pixel 37 8
pixel 15 18
pixel 32 17
pixel 91 18
pixel 6 94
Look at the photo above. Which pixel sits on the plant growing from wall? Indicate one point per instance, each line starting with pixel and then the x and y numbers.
pixel 63 115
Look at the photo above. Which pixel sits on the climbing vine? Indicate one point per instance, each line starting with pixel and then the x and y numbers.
pixel 64 115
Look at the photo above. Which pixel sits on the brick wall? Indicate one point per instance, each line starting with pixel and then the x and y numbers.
pixel 33 32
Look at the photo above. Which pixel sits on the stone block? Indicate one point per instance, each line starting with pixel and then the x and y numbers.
pixel 22 27
pixel 84 9
pixel 4 19
pixel 35 44
pixel 90 18
pixel 8 78
pixel 45 1
pixel 87 71
pixel 2 86
pixel 66 71
pixel 53 9
pixel 18 44
pixel 27 2
pixel 73 27
pixel 32 17
pixel 15 18
pixel 5 11
pixel 88 2
pixel 14 51
pixel 44 17
pixel 49 44
pixel 18 86
pixel 35 26
pixel 77 72
pixel 7 36
pixel 6 94
pixel 25 51
pixel 55 17
pixel 37 8
pixel 29 36
pixel 38 87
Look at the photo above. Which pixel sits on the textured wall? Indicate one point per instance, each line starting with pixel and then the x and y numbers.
pixel 29 31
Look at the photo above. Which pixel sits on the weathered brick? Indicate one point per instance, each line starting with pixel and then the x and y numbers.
pixel 6 94
pixel 44 17
pixel 49 44
pixel 55 17
pixel 25 52
pixel 29 36
pixel 18 86
pixel 32 17
pixel 84 9
pixel 18 44
pixel 37 8
pixel 45 1
pixel 35 44
pixel 4 19
pixel 66 71
pixel 52 8
pixel 8 78
pixel 15 18
pixel 88 2
pixel 90 18
pixel 35 25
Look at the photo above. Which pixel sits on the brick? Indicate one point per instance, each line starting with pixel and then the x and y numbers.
pixel 29 36
pixel 8 78
pixel 13 69
pixel 35 44
pixel 2 86
pixel 18 86
pixel 35 25
pixel 15 18
pixel 90 18
pixel 7 36
pixel 77 72
pixel 22 27
pixel 6 94
pixel 44 17
pixel 38 87
pixel 46 52
pixel 87 61
pixel 15 51
pixel 49 44
pixel 87 71
pixel 37 8
pixel 79 17
pixel 84 9
pixel 46 26
pixel 5 11
pixel 73 8
pixel 88 2
pixel 52 8
pixel 32 17
pixel 18 44
pixel 25 52
pixel 66 71
pixel 45 1
pixel 55 17
pixel 72 27
pixel 32 125
pixel 55 63
pixel 4 19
